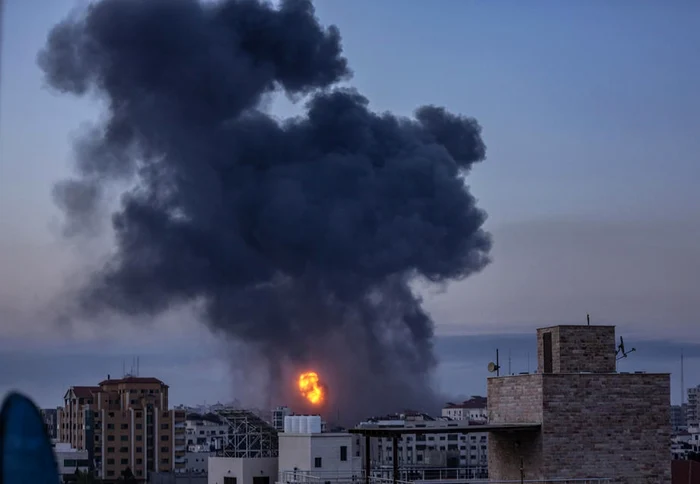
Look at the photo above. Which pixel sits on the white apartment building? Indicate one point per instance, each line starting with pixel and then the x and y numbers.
pixel 474 409
pixel 306 451
pixel 448 450
pixel 69 459
pixel 205 433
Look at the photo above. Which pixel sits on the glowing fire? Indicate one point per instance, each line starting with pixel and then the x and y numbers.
pixel 311 388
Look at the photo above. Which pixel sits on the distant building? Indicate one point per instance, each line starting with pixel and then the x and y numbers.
pixel 679 421
pixel 473 409
pixel 124 423
pixel 50 416
pixel 70 460
pixel 205 433
pixel 278 415
pixel 437 450
pixel 693 409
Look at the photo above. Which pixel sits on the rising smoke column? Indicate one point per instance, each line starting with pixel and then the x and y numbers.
pixel 299 237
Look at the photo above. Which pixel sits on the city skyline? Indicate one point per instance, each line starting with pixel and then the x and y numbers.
pixel 589 184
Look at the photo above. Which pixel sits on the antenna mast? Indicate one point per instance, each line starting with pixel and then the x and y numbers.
pixel 509 372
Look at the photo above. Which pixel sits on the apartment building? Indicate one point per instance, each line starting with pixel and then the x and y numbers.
pixel 473 410
pixel 124 423
pixel 205 433
pixel 448 450
pixel 693 408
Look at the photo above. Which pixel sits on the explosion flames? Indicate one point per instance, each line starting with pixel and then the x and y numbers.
pixel 311 388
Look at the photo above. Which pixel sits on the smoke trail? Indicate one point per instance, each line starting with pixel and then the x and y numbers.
pixel 299 236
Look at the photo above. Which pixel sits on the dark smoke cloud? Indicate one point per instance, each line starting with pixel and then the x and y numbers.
pixel 300 237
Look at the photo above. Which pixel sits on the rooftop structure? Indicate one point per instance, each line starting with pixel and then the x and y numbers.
pixel 594 421
pixel 248 435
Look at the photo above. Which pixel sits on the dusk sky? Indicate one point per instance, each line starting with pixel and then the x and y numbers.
pixel 591 117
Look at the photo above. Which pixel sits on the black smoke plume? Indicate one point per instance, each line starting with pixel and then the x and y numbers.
pixel 299 237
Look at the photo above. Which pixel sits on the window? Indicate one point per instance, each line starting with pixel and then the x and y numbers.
pixel 343 452
pixel 261 480
pixel 139 449
pixel 318 463
pixel 124 426
pixel 110 450
pixel 139 414
pixel 110 462
pixel 110 438
pixel 110 426
pixel 164 426
pixel 125 462
pixel 110 473
pixel 164 438
pixel 123 450
pixel 165 450
pixel 124 438
pixel 547 352
pixel 139 438
pixel 165 461
pixel 139 426
pixel 139 462
pixel 229 480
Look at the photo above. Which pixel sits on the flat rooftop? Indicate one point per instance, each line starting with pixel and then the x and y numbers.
pixel 390 431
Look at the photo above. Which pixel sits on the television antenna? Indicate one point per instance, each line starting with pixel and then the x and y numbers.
pixel 621 352
pixel 495 367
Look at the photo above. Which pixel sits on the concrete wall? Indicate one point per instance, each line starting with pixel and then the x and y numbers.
pixel 614 425
pixel 197 462
pixel 244 470
pixel 300 451
pixel 579 349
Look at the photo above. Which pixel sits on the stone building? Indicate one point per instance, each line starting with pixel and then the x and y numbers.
pixel 593 421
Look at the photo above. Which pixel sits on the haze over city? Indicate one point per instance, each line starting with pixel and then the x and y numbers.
pixel 589 184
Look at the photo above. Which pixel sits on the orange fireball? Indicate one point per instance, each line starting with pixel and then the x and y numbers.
pixel 311 388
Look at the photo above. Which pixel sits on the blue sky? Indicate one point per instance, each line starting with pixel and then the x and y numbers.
pixel 591 117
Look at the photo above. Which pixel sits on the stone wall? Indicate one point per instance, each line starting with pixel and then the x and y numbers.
pixel 607 425
pixel 579 349
pixel 515 399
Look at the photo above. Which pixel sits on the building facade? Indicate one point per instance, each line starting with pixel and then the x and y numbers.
pixel 693 407
pixel 278 415
pixel 124 423
pixel 445 450
pixel 584 419
pixel 50 416
pixel 328 456
pixel 679 420
pixel 473 410
pixel 205 433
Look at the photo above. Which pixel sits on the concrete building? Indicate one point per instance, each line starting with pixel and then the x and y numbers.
pixel 124 423
pixel 197 462
pixel 242 470
pixel 442 448
pixel 693 408
pixel 678 417
pixel 70 460
pixel 50 416
pixel 580 418
pixel 306 451
pixel 278 415
pixel 205 433
pixel 473 410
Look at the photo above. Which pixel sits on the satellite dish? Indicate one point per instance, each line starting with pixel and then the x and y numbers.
pixel 493 367
pixel 621 352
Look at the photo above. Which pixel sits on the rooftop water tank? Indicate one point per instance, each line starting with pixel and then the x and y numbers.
pixel 314 424
pixel 304 424
pixel 295 424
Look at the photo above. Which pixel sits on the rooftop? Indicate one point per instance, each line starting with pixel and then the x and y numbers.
pixel 456 426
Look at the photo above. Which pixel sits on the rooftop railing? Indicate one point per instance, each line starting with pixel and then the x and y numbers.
pixel 438 475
